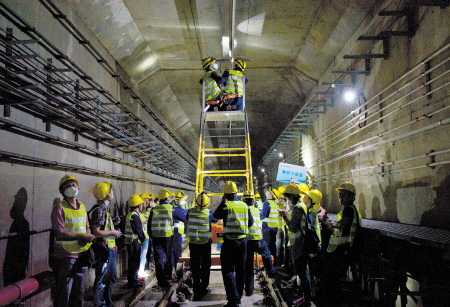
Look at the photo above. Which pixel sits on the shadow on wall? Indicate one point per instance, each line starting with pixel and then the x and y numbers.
pixel 18 247
pixel 376 208
pixel 439 215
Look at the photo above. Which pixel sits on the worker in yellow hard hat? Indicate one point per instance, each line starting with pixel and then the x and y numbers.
pixel 161 231
pixel 255 244
pixel 104 246
pixel 144 218
pixel 345 230
pixel 297 229
pixel 234 86
pixel 178 227
pixel 270 220
pixel 258 201
pixel 212 81
pixel 134 239
pixel 70 227
pixel 199 220
pixel 237 219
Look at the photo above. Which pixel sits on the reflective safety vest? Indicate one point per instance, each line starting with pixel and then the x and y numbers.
pixel 281 222
pixel 234 84
pixel 144 219
pixel 180 226
pixel 109 225
pixel 259 204
pixel 212 90
pixel 162 221
pixel 337 238
pixel 255 232
pixel 130 235
pixel 316 224
pixel 198 228
pixel 74 222
pixel 293 236
pixel 272 219
pixel 237 220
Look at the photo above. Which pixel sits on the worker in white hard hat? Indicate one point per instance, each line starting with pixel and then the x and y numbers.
pixel 344 232
pixel 70 227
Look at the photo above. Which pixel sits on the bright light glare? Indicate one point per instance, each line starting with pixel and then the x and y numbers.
pixel 349 96
pixel 226 45
pixel 281 154
pixel 263 170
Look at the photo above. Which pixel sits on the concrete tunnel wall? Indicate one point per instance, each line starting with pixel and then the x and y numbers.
pixel 34 190
pixel 407 191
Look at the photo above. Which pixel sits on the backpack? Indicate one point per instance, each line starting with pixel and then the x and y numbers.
pixel 310 239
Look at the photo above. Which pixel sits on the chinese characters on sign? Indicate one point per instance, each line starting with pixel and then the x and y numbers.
pixel 290 173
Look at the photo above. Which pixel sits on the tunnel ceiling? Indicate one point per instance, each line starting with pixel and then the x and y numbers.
pixel 287 45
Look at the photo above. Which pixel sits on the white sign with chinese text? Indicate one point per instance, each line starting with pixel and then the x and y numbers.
pixel 290 173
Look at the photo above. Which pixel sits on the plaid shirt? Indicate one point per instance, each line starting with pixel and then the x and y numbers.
pixel 98 217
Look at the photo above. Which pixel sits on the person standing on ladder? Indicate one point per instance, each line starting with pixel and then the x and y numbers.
pixel 178 227
pixel 234 86
pixel 255 244
pixel 270 220
pixel 212 81
pixel 135 236
pixel 237 219
pixel 199 236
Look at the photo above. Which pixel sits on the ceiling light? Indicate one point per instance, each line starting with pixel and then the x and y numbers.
pixel 262 170
pixel 349 95
pixel 281 154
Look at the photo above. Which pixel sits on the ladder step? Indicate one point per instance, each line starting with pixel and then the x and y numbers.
pixel 226 155
pixel 223 149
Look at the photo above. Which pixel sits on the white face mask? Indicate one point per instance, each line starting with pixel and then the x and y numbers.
pixel 215 66
pixel 182 202
pixel 71 192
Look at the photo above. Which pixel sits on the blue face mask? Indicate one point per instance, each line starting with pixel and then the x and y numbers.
pixel 215 66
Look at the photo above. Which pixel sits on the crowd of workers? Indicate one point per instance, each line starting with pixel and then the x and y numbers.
pixel 154 230
pixel 224 93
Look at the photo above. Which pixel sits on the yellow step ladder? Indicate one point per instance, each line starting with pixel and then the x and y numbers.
pixel 224 135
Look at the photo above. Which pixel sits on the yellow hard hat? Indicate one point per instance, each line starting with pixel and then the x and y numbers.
pixel 347 186
pixel 303 188
pixel 67 178
pixel 163 194
pixel 135 200
pixel 144 195
pixel 248 194
pixel 241 64
pixel 101 190
pixel 181 194
pixel 281 189
pixel 292 189
pixel 208 61
pixel 315 195
pixel 275 193
pixel 151 195
pixel 230 188
pixel 202 200
pixel 257 195
pixel 171 193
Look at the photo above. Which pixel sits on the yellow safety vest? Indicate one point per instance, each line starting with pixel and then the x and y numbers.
pixel 234 84
pixel 337 238
pixel 272 219
pixel 144 220
pixel 316 224
pixel 198 228
pixel 74 222
pixel 162 221
pixel 254 232
pixel 212 90
pixel 293 236
pixel 109 225
pixel 130 235
pixel 237 220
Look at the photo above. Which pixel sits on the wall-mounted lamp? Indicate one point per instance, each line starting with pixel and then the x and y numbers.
pixel 349 95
